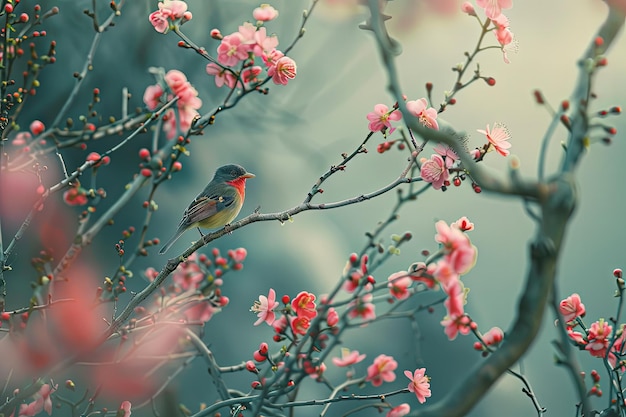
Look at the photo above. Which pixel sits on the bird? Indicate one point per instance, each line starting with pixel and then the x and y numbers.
pixel 217 205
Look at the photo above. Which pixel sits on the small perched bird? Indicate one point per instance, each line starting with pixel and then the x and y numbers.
pixel 217 205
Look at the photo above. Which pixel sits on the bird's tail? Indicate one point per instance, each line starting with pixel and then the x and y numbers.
pixel 172 240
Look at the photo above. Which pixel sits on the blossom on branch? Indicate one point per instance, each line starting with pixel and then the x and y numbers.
pixel 380 119
pixel 264 308
pixel 498 138
pixel 382 370
pixel 493 8
pixel 571 307
pixel 419 384
pixel 426 115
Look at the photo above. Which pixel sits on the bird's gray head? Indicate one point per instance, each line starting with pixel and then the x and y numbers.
pixel 232 172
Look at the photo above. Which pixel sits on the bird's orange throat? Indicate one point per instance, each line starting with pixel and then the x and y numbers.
pixel 239 184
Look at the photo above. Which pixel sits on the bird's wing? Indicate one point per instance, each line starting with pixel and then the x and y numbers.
pixel 205 206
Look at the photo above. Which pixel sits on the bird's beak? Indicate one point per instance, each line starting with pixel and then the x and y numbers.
pixel 247 175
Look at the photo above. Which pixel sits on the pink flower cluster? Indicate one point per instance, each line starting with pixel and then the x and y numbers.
pixel 597 338
pixel 380 119
pixel 383 370
pixel 458 256
pixel 41 402
pixel 170 11
pixel 493 11
pixel 243 46
pixel 186 107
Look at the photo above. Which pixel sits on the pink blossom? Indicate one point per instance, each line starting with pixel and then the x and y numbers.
pixel 399 411
pixel 493 8
pixel 168 10
pixel 232 49
pixel 399 284
pixel 263 43
pixel 426 115
pixel 271 57
pixel 577 337
pixel 151 273
pixel 447 152
pixel 348 358
pixel 572 307
pixel 304 305
pixel 419 384
pixel 456 298
pixel 598 335
pixel 468 8
pixel 201 311
pixel 363 307
pixel 265 13
pixel 187 105
pixel 299 325
pixel 280 325
pixel 264 308
pixel 494 336
pixel 382 370
pixel 332 318
pixel 41 402
pixel 174 8
pixel 238 255
pixel 125 407
pixel 445 274
pixel 434 171
pixel 152 96
pixel 222 76
pixel 249 75
pixel 498 138
pixel 464 224
pixel 188 275
pixel 456 324
pixel 284 70
pixel 380 119
pixel 458 250
pixel 159 21
pixel 21 138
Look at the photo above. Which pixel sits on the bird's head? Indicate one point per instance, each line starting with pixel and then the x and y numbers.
pixel 232 174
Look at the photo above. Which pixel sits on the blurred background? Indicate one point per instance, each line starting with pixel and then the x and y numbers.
pixel 290 137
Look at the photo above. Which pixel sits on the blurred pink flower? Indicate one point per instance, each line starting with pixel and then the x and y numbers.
pixel 399 411
pixel 399 283
pixel 493 336
pixel 41 402
pixel 222 76
pixel 572 307
pixel 382 370
pixel 188 275
pixel 125 407
pixel 468 8
pixel 265 13
pixel 363 307
pixel 493 8
pixel 498 137
pixel 419 384
pixel 348 358
pixel 426 115
pixel 458 249
pixel 264 308
pixel 152 96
